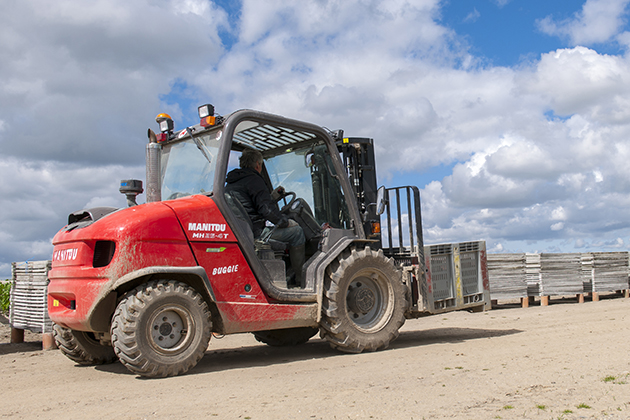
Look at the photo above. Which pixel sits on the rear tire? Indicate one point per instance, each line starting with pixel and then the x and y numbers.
pixel 364 302
pixel 161 329
pixel 82 347
pixel 286 337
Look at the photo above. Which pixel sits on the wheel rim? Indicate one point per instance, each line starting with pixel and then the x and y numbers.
pixel 367 300
pixel 171 329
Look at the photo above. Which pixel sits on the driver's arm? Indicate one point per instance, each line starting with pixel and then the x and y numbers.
pixel 265 205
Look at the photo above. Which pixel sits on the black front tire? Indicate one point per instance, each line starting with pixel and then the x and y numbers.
pixel 82 347
pixel 286 337
pixel 161 329
pixel 364 302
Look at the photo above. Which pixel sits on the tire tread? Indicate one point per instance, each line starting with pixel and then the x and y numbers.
pixel 77 347
pixel 336 327
pixel 125 325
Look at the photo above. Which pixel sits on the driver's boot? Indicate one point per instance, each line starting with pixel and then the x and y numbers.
pixel 297 257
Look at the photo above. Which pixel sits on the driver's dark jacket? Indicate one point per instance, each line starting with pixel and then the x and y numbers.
pixel 249 187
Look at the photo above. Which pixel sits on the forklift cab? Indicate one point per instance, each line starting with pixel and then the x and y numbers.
pixel 301 157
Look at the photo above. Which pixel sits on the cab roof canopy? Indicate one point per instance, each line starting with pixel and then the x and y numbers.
pixel 271 139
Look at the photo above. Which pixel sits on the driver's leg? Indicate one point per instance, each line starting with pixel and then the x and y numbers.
pixel 294 236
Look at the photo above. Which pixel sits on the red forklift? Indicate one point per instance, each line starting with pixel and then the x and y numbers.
pixel 149 284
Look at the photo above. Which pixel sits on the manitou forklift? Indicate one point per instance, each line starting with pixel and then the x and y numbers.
pixel 149 284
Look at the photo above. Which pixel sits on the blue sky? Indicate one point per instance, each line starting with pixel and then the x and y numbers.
pixel 511 116
pixel 506 34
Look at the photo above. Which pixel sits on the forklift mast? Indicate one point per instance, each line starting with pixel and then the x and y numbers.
pixel 403 220
pixel 357 154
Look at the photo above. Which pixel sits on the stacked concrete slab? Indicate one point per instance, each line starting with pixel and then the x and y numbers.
pixel 508 276
pixel 532 269
pixel 557 274
pixel 560 274
pixel 29 308
pixel 610 271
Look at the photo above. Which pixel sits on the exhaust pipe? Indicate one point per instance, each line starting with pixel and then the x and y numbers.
pixel 154 154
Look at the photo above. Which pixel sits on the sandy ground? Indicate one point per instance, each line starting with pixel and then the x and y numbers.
pixel 563 361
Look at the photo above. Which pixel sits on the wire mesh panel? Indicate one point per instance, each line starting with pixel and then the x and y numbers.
pixel 457 276
pixel 469 261
pixel 29 307
pixel 442 274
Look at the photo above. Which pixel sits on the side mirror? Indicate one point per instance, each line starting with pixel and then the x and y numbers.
pixel 381 201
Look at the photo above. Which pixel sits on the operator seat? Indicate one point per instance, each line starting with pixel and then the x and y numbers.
pixel 246 223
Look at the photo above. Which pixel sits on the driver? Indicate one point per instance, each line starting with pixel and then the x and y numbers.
pixel 248 186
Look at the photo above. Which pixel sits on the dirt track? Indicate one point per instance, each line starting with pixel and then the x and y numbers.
pixel 564 361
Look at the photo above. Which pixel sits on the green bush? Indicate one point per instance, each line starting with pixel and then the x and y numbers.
pixel 5 295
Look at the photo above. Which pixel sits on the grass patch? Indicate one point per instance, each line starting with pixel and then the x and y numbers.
pixel 508 407
pixel 5 295
pixel 618 380
pixel 541 407
pixel 567 411
pixel 582 405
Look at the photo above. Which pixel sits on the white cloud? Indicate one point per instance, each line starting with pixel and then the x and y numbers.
pixel 573 81
pixel 501 3
pixel 496 249
pixel 557 226
pixel 559 213
pixel 597 22
pixel 94 71
pixel 472 16
pixel 198 7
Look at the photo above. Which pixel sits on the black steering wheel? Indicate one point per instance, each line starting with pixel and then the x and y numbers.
pixel 287 206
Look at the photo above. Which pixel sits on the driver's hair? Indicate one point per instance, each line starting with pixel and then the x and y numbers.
pixel 250 158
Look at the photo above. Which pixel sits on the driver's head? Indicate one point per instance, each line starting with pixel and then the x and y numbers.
pixel 251 158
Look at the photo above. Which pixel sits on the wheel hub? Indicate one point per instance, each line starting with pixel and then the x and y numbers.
pixel 167 329
pixel 361 300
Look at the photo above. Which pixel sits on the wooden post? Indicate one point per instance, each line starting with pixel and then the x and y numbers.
pixel 580 297
pixel 626 293
pixel 595 297
pixel 17 335
pixel 544 301
pixel 48 342
pixel 525 302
